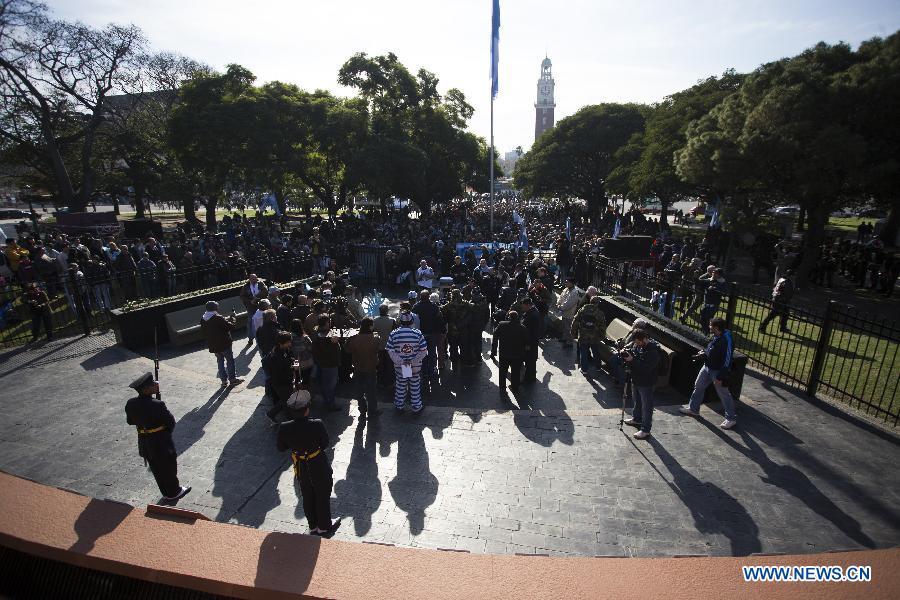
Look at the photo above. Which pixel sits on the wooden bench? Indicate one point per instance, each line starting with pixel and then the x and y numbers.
pixel 618 329
pixel 184 325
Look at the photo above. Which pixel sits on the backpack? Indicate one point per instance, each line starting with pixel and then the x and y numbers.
pixel 663 366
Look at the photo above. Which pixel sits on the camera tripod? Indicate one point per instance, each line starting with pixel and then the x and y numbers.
pixel 626 395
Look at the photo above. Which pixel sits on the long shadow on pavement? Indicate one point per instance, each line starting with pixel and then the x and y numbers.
pixel 415 487
pixel 793 481
pixel 543 421
pixel 772 434
pixel 359 493
pixel 190 427
pixel 713 509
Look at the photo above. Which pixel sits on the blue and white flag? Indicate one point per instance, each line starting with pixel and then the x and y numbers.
pixel 517 218
pixel 617 228
pixel 569 228
pixel 714 215
pixel 523 235
pixel 495 48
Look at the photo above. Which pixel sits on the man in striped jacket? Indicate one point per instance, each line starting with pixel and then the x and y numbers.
pixel 407 348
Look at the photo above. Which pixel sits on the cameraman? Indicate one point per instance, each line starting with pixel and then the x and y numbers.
pixel 642 361
pixel 616 364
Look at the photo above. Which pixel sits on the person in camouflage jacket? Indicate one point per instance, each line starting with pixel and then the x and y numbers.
pixel 457 313
pixel 589 329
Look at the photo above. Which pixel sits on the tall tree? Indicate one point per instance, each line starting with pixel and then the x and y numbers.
pixel 646 164
pixel 874 85
pixel 788 129
pixel 417 143
pixel 575 158
pixel 202 129
pixel 56 78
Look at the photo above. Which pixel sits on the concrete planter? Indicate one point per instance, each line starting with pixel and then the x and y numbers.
pixel 134 328
pixel 665 331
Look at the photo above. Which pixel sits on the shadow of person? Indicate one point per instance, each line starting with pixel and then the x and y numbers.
pixel 191 426
pixel 97 519
pixel 359 493
pixel 286 563
pixel 714 510
pixel 415 487
pixel 542 416
pixel 247 473
pixel 795 482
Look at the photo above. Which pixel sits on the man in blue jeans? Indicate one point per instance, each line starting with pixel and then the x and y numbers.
pixel 643 361
pixel 716 367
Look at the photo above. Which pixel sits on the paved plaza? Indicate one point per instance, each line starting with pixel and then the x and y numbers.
pixel 547 472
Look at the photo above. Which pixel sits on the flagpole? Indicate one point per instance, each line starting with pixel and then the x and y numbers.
pixel 491 158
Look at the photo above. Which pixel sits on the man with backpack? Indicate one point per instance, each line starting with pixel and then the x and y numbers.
pixel 589 329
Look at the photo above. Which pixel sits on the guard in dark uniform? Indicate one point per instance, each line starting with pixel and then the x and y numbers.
pixel 531 319
pixel 307 439
pixel 154 425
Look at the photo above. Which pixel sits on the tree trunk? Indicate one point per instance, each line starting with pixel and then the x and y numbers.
pixel 888 233
pixel 211 202
pixel 64 191
pixel 139 209
pixel 190 209
pixel 801 220
pixel 280 199
pixel 663 213
pixel 87 171
pixel 812 242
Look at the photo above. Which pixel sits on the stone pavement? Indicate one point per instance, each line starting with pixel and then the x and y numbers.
pixel 549 473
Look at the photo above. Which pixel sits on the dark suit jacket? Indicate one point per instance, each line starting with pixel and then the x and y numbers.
pixel 512 338
pixel 249 300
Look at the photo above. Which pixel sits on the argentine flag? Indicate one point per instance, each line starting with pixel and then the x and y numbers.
pixel 495 48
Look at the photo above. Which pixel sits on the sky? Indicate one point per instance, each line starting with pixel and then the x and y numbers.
pixel 602 50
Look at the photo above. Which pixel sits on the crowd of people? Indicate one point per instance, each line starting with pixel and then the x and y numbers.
pixel 313 340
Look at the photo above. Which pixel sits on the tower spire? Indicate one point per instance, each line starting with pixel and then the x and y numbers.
pixel 543 107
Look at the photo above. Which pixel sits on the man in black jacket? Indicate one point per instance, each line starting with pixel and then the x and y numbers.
pixel 531 319
pixel 307 439
pixel 154 425
pixel 432 326
pixel 781 298
pixel 280 365
pixel 642 359
pixel 512 339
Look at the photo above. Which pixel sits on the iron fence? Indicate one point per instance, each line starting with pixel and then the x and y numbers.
pixel 836 353
pixel 81 305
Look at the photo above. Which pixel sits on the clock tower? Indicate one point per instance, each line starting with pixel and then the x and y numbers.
pixel 543 108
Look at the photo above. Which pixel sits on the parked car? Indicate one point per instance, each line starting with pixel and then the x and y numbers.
pixel 874 213
pixel 14 213
pixel 843 213
pixel 790 211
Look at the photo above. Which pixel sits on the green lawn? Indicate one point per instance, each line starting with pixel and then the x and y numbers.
pixel 857 366
pixel 847 224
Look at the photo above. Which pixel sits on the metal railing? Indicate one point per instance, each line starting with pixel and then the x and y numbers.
pixel 836 353
pixel 82 305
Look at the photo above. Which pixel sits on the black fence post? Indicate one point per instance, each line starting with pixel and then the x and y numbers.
pixel 623 282
pixel 822 346
pixel 731 310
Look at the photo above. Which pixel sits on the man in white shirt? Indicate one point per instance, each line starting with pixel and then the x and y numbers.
pixel 425 275
pixel 568 306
